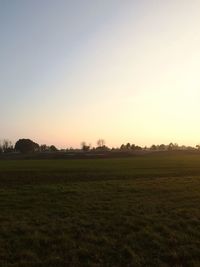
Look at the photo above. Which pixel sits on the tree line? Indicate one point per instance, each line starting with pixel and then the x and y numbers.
pixel 24 146
pixel 29 146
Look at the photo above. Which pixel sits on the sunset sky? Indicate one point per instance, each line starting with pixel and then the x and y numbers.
pixel 80 70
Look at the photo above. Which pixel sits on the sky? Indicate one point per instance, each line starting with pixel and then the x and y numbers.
pixel 80 70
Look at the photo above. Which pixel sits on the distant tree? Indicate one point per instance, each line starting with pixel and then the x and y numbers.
pixel 101 142
pixel 183 147
pixel 162 147
pixel 176 147
pixel 172 146
pixel 6 146
pixel 138 148
pixel 43 148
pixel 26 146
pixel 102 148
pixel 153 147
pixel 84 146
pixel 1 149
pixel 198 147
pixel 133 147
pixel 52 148
pixel 190 148
pixel 128 146
pixel 122 147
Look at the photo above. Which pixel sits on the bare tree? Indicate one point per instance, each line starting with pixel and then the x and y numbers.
pixel 6 145
pixel 101 142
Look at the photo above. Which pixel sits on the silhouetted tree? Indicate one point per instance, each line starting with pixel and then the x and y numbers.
pixel 162 147
pixel 43 147
pixel 138 148
pixel 102 148
pixel 128 146
pixel 6 146
pixel 101 142
pixel 26 146
pixel 122 147
pixel 84 146
pixel 52 148
pixel 153 147
pixel 172 146
pixel 133 147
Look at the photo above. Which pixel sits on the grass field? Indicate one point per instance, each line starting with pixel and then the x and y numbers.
pixel 139 211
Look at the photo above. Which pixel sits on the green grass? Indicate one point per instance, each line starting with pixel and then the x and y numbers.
pixel 141 211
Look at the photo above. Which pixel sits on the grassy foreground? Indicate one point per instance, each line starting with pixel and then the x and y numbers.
pixel 141 211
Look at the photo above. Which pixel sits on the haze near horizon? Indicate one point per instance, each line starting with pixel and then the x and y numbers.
pixel 124 71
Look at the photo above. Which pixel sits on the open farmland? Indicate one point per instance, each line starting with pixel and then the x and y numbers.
pixel 139 211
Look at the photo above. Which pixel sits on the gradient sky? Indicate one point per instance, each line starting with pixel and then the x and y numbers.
pixel 79 70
